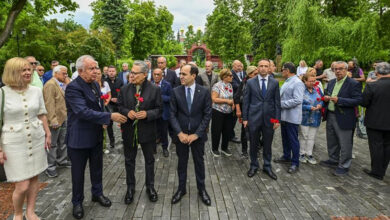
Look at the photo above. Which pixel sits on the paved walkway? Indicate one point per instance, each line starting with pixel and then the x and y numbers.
pixel 312 193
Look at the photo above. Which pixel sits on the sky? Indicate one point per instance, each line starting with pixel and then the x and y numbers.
pixel 185 12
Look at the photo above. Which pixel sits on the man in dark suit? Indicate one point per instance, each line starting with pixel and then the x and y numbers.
pixel 343 96
pixel 376 98
pixel 238 76
pixel 261 103
pixel 123 76
pixel 141 102
pixel 190 116
pixel 168 75
pixel 84 137
pixel 162 123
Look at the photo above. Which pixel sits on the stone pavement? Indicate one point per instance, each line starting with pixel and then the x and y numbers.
pixel 312 193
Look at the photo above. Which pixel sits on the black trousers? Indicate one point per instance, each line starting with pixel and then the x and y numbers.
pixel 130 156
pixel 379 143
pixel 79 158
pixel 255 133
pixel 110 131
pixel 244 139
pixel 197 151
pixel 162 132
pixel 221 124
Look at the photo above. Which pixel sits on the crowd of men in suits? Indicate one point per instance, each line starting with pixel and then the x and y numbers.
pixel 153 104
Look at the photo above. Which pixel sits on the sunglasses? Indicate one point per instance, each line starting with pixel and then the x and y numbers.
pixel 41 70
pixel 34 63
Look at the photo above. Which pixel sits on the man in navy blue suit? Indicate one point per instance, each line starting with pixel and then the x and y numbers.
pixel 162 123
pixel 343 96
pixel 168 75
pixel 261 103
pixel 84 137
pixel 190 117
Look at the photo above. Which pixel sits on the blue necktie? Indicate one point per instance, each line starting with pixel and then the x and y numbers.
pixel 189 102
pixel 263 88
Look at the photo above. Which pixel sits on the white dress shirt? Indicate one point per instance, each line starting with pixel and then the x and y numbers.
pixel 261 82
pixel 192 91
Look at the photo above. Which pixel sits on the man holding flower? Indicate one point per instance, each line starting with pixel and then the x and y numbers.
pixel 141 102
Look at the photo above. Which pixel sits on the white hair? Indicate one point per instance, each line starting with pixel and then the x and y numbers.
pixel 59 68
pixel 81 61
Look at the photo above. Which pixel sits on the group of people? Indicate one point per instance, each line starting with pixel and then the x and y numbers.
pixel 67 117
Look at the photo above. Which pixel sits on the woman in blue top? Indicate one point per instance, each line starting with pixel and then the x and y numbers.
pixel 311 119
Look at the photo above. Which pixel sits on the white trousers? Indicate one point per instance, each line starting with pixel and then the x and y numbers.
pixel 307 136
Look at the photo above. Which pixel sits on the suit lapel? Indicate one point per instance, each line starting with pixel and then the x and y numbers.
pixel 87 89
pixel 183 98
pixel 196 96
pixel 258 91
pixel 59 88
pixel 344 86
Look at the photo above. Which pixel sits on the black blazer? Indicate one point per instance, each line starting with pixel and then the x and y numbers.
pixel 152 104
pixel 171 77
pixel 376 98
pixel 236 80
pixel 349 97
pixel 194 122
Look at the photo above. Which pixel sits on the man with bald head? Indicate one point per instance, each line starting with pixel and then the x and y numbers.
pixel 182 63
pixel 209 78
pixel 168 75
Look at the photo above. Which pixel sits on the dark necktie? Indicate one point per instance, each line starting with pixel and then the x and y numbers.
pixel 263 88
pixel 189 102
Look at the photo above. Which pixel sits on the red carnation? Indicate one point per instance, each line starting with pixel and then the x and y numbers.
pixel 226 88
pixel 230 90
pixel 273 120
pixel 140 99
pixel 318 99
pixel 317 83
pixel 117 90
pixel 136 95
pixel 322 99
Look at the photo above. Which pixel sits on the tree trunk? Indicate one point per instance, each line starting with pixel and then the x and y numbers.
pixel 12 15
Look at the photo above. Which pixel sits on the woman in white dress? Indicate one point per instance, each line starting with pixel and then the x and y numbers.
pixel 106 95
pixel 25 135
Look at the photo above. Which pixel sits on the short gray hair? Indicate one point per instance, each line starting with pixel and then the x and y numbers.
pixel 342 62
pixel 382 68
pixel 165 59
pixel 125 64
pixel 58 68
pixel 142 64
pixel 81 60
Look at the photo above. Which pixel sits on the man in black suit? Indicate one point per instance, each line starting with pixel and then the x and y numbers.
pixel 261 103
pixel 169 75
pixel 238 76
pixel 141 102
pixel 376 98
pixel 84 136
pixel 190 116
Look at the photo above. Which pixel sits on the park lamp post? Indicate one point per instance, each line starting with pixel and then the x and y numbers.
pixel 23 31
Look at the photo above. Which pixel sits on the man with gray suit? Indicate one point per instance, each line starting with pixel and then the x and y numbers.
pixel 209 78
pixel 291 96
pixel 261 103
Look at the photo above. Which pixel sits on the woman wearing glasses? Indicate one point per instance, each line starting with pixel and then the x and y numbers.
pixel 222 117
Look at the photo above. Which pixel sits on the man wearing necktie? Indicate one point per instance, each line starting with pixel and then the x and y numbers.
pixel 238 76
pixel 189 122
pixel 261 103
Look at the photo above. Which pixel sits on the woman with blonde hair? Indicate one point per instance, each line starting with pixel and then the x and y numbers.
pixel 25 135
pixel 302 68
pixel 313 73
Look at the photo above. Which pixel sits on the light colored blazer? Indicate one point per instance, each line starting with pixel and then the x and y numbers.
pixel 206 82
pixel 291 98
pixel 54 98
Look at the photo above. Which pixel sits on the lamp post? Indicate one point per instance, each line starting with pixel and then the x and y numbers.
pixel 23 31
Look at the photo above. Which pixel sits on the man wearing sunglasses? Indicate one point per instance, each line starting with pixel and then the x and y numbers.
pixel 35 79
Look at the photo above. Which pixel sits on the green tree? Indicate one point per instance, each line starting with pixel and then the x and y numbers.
pixel 227 32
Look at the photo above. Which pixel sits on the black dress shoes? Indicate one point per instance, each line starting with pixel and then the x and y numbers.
pixel 270 174
pixel 153 197
pixel 205 197
pixel 282 160
pixel 102 200
pixel 177 197
pixel 293 169
pixel 368 172
pixel 78 211
pixel 252 172
pixel 129 198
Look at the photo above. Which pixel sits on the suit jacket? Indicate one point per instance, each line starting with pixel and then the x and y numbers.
pixel 120 77
pixel 291 99
pixel 206 82
pixel 166 90
pixel 114 85
pixel 171 77
pixel 55 104
pixel 85 114
pixel 236 80
pixel 376 98
pixel 152 104
pixel 194 122
pixel 47 76
pixel 257 109
pixel 349 97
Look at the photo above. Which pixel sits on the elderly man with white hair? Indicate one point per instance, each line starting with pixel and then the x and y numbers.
pixel 54 96
pixel 86 117
pixel 376 98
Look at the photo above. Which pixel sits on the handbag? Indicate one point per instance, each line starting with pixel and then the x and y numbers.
pixel 2 110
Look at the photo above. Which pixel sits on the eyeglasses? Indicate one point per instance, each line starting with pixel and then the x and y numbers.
pixel 160 62
pixel 34 63
pixel 41 70
pixel 135 73
pixel 230 75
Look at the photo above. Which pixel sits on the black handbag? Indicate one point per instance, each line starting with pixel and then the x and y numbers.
pixel 2 172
